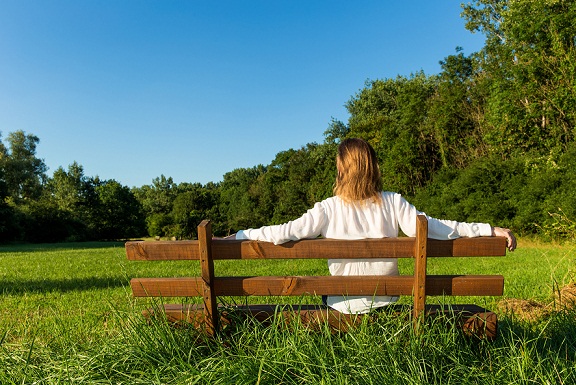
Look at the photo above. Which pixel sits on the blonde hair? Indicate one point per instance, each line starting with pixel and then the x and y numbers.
pixel 358 176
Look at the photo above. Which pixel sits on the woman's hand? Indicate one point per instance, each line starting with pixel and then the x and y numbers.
pixel 506 233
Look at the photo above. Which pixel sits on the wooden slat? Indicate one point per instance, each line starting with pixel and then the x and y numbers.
pixel 275 286
pixel 306 249
pixel 467 247
pixel 458 285
pixel 465 285
pixel 315 248
pixel 167 287
pixel 321 285
pixel 162 250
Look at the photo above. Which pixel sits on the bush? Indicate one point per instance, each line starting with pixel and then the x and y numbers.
pixel 484 192
pixel 157 224
pixel 9 225
pixel 527 194
pixel 44 223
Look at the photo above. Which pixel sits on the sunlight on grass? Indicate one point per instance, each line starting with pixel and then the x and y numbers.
pixel 67 316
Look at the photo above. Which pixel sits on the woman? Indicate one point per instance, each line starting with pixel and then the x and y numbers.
pixel 360 209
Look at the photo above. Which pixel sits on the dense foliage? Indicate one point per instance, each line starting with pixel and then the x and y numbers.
pixel 490 138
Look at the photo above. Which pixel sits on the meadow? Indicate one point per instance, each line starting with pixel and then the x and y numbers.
pixel 67 317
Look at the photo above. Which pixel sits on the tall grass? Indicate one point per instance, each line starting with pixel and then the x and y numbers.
pixel 383 352
pixel 67 316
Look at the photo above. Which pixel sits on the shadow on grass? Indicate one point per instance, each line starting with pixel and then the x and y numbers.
pixel 60 285
pixel 553 336
pixel 30 247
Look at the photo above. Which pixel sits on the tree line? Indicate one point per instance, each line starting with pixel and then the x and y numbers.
pixel 490 138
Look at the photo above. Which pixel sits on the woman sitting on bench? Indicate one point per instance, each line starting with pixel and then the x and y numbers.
pixel 360 209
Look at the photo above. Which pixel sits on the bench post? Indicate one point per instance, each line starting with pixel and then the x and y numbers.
pixel 420 255
pixel 207 266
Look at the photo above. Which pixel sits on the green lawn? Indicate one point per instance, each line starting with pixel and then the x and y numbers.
pixel 67 316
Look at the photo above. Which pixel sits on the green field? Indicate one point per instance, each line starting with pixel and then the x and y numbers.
pixel 67 316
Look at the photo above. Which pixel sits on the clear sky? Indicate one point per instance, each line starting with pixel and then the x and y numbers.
pixel 133 89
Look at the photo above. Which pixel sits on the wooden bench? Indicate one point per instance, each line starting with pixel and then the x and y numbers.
pixel 474 319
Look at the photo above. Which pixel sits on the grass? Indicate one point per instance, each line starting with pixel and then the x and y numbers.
pixel 67 316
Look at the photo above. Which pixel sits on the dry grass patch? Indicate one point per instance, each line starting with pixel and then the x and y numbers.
pixel 532 310
pixel 525 309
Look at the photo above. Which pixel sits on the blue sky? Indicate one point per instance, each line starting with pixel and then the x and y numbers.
pixel 133 89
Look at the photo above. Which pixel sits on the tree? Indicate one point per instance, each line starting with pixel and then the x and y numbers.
pixel 3 159
pixel 323 157
pixel 391 115
pixel 335 132
pixel 193 205
pixel 8 229
pixel 157 200
pixel 67 188
pixel 23 173
pixel 454 110
pixel 239 199
pixel 159 196
pixel 299 178
pixel 118 214
pixel 529 62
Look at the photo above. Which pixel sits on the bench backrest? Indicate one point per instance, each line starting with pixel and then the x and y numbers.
pixel 209 286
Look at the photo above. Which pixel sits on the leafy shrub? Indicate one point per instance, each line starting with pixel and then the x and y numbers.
pixel 561 227
pixel 527 194
pixel 157 224
pixel 42 222
pixel 483 192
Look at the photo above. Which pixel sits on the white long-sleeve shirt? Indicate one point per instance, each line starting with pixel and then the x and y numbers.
pixel 336 219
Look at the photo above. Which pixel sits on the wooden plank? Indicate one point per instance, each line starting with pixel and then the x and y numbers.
pixel 315 249
pixel 456 285
pixel 207 267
